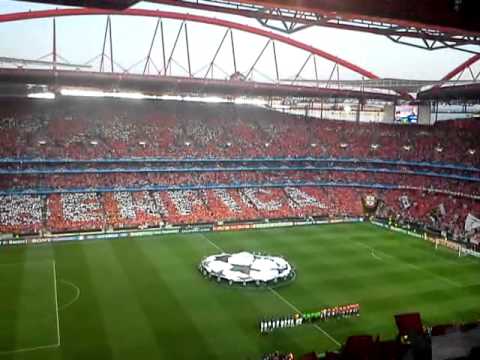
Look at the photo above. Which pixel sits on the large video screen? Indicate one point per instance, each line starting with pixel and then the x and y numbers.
pixel 406 114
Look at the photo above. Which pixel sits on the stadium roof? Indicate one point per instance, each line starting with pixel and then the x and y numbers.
pixel 160 85
pixel 440 24
pixel 102 4
pixel 190 81
pixel 460 92
pixel 440 14
pixel 354 81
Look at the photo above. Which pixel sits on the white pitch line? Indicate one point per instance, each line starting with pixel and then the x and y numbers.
pixel 212 243
pixel 75 298
pixel 56 301
pixel 445 279
pixel 376 256
pixel 29 349
pixel 51 346
pixel 283 299
pixel 298 311
pixel 416 267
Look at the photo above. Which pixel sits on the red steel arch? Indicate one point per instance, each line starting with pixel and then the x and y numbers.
pixel 188 17
pixel 460 68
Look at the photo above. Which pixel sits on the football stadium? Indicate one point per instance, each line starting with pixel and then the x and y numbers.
pixel 262 180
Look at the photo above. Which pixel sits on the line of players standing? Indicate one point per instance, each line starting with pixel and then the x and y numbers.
pixel 280 323
pixel 336 312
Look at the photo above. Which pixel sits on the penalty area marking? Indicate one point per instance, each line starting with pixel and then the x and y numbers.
pixel 56 301
pixel 43 347
pixel 53 346
pixel 376 256
pixel 273 291
pixel 414 266
pixel 75 298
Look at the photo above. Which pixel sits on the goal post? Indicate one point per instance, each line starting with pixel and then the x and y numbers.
pixel 464 250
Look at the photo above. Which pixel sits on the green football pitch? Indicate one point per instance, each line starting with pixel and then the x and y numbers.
pixel 144 298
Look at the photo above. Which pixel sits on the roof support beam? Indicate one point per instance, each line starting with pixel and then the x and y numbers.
pixel 188 17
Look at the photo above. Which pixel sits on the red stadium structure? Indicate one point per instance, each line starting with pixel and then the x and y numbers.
pixel 459 84
pixel 107 4
pixel 163 147
pixel 467 65
pixel 112 77
pixel 453 24
pixel 191 83
pixel 186 17
pixel 316 93
pixel 45 78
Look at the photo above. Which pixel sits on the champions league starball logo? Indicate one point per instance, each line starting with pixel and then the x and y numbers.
pixel 246 268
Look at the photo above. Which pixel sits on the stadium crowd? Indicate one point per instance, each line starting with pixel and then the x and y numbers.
pixel 91 129
pixel 277 355
pixel 118 210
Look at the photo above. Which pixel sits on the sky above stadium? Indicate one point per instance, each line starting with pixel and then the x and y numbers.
pixel 81 38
